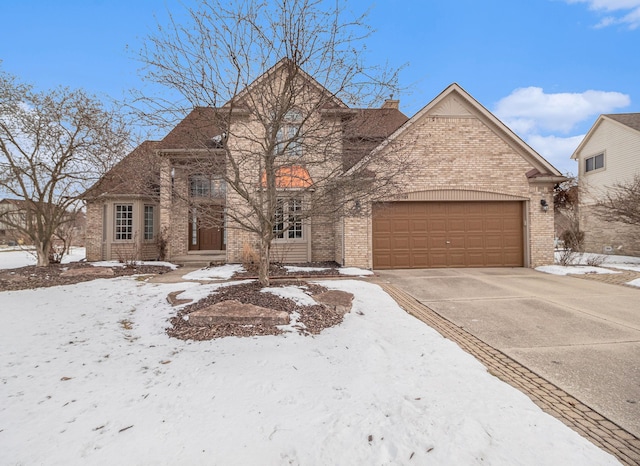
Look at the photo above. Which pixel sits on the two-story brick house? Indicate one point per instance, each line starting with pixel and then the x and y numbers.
pixel 472 194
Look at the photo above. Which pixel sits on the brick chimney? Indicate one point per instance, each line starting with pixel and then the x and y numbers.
pixel 391 103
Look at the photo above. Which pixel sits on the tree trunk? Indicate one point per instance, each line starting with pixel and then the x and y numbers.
pixel 42 253
pixel 263 268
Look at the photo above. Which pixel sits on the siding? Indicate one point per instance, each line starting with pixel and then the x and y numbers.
pixel 293 253
pixel 621 146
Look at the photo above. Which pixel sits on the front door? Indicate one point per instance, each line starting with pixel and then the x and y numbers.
pixel 206 233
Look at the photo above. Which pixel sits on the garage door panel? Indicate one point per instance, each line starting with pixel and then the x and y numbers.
pixel 400 226
pixel 437 259
pixel 511 242
pixel 475 259
pixel 457 259
pixel 420 260
pixel 493 224
pixel 419 243
pixel 401 261
pixel 382 243
pixel 437 225
pixel 455 225
pixel 448 234
pixel 474 225
pixel 401 243
pixel 457 209
pixel 512 259
pixel 511 224
pixel 493 241
pixel 418 226
pixel 383 261
pixel 456 242
pixel 475 242
pixel 437 242
pixel 383 225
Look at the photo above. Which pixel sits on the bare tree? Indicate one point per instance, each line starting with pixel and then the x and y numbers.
pixel 53 145
pixel 565 205
pixel 287 142
pixel 621 203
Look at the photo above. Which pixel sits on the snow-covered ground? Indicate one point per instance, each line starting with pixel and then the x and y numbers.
pixel 607 264
pixel 15 257
pixel 88 376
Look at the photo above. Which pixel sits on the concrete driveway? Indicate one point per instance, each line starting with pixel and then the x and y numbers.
pixel 582 335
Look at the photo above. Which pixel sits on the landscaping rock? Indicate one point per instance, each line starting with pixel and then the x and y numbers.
pixel 235 312
pixel 339 301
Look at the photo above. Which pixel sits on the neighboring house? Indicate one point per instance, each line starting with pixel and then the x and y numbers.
pixel 608 155
pixel 11 215
pixel 476 194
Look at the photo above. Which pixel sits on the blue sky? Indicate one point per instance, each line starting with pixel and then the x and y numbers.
pixel 547 68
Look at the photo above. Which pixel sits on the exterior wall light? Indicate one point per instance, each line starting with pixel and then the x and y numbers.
pixel 544 204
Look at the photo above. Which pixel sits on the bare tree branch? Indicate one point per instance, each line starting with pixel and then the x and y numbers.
pixel 621 203
pixel 282 137
pixel 53 145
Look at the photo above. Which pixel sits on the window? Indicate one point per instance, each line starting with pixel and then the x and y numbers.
pixel 124 222
pixel 205 186
pixel 594 163
pixel 148 222
pixel 287 138
pixel 288 217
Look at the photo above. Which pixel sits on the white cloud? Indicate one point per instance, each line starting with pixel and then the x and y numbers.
pixel 530 111
pixel 628 11
pixel 548 122
pixel 557 150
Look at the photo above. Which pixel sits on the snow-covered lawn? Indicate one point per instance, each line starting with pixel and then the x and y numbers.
pixel 88 376
pixel 580 264
pixel 13 258
pixel 573 269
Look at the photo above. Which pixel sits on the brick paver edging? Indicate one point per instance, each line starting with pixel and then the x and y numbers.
pixel 551 399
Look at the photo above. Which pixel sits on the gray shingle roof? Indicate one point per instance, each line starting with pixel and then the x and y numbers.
pixel 632 120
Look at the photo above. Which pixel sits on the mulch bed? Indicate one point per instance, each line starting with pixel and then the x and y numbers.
pixel 26 278
pixel 315 318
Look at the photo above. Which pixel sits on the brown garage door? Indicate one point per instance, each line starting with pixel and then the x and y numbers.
pixel 447 234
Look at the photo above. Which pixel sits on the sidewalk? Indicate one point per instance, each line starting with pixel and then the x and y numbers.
pixel 551 399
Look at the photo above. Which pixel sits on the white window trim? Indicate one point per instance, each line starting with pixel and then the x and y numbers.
pixel 286 222
pixel 593 156
pixel 130 223
pixel 153 222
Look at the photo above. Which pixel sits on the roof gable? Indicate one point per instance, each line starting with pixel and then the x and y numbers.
pixel 285 65
pixel 628 120
pixel 454 101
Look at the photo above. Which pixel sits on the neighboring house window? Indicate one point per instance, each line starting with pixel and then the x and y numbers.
pixel 594 163
pixel 124 221
pixel 148 222
pixel 205 186
pixel 288 221
pixel 287 137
